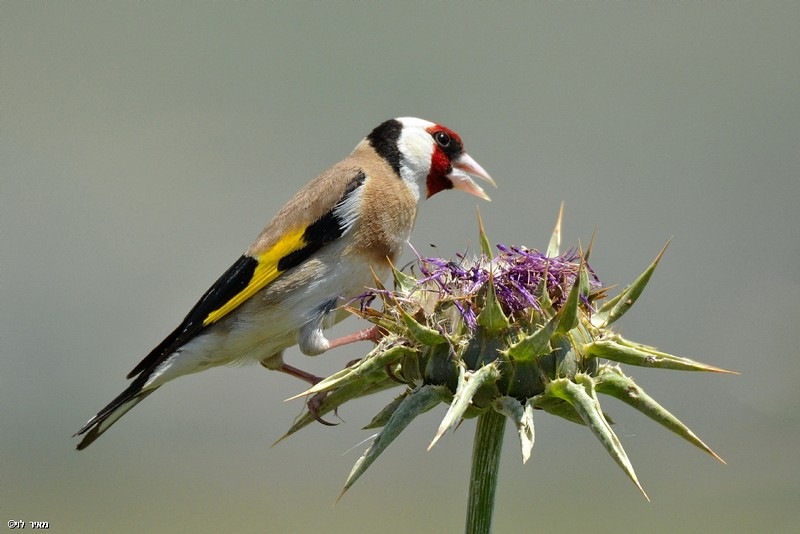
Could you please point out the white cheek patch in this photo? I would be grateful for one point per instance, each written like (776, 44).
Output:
(416, 150)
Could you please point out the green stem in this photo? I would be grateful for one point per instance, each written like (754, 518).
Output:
(486, 451)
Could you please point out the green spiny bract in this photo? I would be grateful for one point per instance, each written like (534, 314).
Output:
(515, 333)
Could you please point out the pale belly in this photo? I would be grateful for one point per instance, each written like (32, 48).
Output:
(272, 320)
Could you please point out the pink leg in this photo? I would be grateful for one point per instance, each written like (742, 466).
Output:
(373, 334)
(299, 373)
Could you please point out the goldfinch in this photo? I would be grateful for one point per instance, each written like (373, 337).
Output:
(320, 250)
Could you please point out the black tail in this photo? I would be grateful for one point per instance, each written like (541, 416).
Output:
(109, 415)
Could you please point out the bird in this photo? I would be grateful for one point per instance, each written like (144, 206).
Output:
(326, 245)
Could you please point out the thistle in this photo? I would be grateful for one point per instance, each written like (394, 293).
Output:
(498, 337)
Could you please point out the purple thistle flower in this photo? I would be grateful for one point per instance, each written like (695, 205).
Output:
(518, 274)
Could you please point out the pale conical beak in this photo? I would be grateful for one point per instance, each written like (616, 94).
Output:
(462, 168)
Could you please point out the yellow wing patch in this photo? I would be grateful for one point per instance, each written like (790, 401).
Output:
(265, 272)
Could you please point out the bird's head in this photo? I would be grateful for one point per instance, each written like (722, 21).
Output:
(428, 156)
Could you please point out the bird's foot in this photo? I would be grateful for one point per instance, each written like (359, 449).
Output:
(314, 404)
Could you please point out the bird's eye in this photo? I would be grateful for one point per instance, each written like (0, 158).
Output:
(442, 139)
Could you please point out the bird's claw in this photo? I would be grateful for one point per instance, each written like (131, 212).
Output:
(314, 404)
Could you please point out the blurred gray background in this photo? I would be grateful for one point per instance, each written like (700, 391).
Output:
(144, 146)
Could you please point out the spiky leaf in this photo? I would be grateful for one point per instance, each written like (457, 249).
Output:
(616, 307)
(568, 314)
(617, 349)
(423, 334)
(558, 407)
(582, 397)
(382, 417)
(403, 282)
(381, 356)
(554, 246)
(611, 381)
(522, 416)
(486, 248)
(535, 345)
(469, 382)
(419, 401)
(491, 318)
